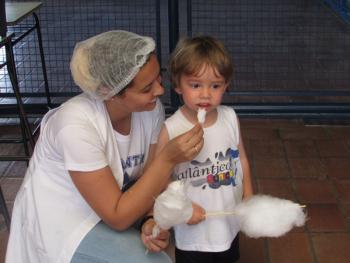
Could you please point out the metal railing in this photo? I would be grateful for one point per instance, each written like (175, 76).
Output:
(291, 57)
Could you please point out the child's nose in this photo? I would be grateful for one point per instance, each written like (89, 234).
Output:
(205, 92)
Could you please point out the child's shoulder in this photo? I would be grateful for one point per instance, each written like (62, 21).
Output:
(175, 116)
(226, 110)
(177, 124)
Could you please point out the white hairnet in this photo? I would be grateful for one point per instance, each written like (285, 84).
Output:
(105, 64)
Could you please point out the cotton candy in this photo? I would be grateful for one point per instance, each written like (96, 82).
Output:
(258, 216)
(172, 207)
(201, 115)
(267, 216)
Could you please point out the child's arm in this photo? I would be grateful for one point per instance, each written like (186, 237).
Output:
(247, 182)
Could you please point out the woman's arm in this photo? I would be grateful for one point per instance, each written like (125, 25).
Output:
(198, 214)
(247, 182)
(119, 210)
(163, 139)
(162, 240)
(151, 155)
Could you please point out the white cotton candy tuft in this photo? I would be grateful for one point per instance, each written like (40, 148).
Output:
(172, 207)
(267, 216)
(201, 115)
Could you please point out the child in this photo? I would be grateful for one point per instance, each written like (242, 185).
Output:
(219, 176)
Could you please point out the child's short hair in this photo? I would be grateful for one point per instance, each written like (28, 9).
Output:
(190, 54)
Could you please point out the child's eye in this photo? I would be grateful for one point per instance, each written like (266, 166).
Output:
(195, 85)
(216, 86)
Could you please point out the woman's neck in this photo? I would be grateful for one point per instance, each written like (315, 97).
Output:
(120, 118)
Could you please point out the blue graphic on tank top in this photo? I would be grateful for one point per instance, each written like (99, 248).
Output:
(221, 172)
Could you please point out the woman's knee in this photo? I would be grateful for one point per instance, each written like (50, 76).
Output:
(103, 244)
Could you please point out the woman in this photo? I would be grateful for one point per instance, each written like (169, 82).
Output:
(77, 202)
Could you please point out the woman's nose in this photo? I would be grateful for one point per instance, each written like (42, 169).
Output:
(158, 88)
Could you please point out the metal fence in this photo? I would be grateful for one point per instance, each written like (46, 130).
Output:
(63, 23)
(291, 57)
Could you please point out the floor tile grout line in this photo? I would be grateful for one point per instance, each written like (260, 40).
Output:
(340, 204)
(292, 183)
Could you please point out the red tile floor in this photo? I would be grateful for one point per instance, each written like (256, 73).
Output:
(307, 164)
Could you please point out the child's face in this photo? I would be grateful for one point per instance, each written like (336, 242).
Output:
(202, 90)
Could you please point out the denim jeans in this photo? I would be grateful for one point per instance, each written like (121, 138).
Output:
(103, 244)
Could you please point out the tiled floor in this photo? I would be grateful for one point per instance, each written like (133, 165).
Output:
(307, 164)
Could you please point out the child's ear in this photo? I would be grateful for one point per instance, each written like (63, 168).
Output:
(178, 91)
(227, 85)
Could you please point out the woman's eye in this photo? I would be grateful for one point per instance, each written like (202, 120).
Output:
(147, 89)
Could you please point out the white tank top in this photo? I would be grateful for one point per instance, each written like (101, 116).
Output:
(213, 180)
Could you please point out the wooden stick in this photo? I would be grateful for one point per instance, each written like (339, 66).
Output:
(220, 213)
(226, 213)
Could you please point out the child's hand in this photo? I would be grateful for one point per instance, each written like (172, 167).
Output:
(198, 215)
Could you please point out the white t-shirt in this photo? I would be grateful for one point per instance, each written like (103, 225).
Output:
(50, 217)
(213, 180)
(131, 158)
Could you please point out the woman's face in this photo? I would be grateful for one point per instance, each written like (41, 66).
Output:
(146, 87)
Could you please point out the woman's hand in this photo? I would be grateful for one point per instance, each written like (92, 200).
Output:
(198, 215)
(184, 147)
(158, 243)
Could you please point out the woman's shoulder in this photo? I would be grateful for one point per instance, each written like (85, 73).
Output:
(79, 110)
(83, 102)
(81, 106)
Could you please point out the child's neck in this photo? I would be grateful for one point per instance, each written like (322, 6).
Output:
(191, 116)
